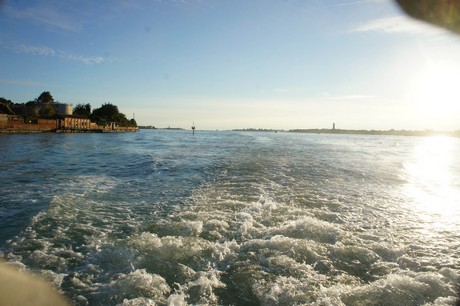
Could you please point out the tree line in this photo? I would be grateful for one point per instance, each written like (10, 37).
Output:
(44, 106)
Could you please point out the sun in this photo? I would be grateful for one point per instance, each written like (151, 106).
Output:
(437, 92)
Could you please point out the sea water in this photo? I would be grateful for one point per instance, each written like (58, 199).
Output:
(234, 218)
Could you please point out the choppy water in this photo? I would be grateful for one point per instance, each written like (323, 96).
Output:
(234, 218)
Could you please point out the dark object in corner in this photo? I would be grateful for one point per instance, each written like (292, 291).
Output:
(22, 288)
(444, 13)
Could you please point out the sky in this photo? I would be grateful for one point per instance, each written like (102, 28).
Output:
(231, 64)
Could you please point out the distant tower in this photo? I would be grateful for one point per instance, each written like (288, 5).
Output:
(333, 126)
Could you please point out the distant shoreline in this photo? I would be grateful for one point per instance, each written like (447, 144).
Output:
(359, 132)
(35, 130)
(151, 127)
(391, 132)
(378, 132)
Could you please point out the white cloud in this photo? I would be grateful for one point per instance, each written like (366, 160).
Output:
(396, 24)
(84, 59)
(48, 15)
(23, 48)
(34, 50)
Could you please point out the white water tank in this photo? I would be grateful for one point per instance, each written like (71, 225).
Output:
(64, 108)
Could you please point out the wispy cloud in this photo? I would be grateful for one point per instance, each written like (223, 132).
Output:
(84, 59)
(326, 5)
(22, 83)
(350, 97)
(282, 90)
(352, 2)
(65, 15)
(33, 50)
(47, 15)
(396, 24)
(22, 48)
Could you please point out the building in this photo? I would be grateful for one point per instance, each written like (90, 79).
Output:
(63, 108)
(70, 122)
(6, 120)
(13, 123)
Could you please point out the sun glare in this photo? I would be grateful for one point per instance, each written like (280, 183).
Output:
(431, 184)
(437, 94)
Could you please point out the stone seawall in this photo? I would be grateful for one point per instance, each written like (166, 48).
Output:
(99, 130)
(17, 127)
(34, 129)
(23, 131)
(14, 124)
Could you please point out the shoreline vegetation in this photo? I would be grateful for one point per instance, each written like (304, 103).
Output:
(45, 115)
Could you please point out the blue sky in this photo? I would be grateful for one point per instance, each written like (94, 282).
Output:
(235, 64)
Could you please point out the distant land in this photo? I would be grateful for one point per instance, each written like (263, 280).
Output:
(333, 131)
(151, 127)
(360, 132)
(379, 132)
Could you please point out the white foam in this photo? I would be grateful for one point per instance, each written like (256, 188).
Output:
(191, 228)
(452, 275)
(43, 260)
(137, 302)
(300, 249)
(394, 289)
(140, 284)
(216, 229)
(177, 299)
(308, 228)
(286, 290)
(206, 283)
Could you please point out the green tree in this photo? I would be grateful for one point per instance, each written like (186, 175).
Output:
(6, 107)
(31, 109)
(109, 113)
(132, 122)
(45, 100)
(120, 119)
(47, 110)
(106, 112)
(82, 110)
(19, 108)
(45, 97)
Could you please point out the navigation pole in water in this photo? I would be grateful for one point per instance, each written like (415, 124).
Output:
(193, 128)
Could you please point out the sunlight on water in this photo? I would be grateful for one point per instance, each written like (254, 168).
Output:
(431, 183)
